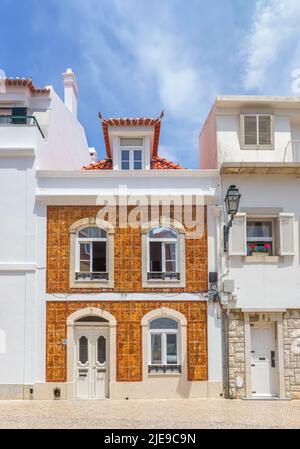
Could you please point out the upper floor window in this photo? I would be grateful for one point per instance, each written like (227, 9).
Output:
(91, 261)
(163, 346)
(266, 235)
(131, 149)
(260, 237)
(163, 254)
(256, 130)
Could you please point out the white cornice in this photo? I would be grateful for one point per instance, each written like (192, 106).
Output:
(17, 152)
(127, 173)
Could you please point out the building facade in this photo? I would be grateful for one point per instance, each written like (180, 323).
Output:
(108, 295)
(254, 142)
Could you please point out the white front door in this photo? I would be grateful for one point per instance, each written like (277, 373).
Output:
(263, 360)
(91, 367)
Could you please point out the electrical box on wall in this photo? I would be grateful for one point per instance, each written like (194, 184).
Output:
(228, 286)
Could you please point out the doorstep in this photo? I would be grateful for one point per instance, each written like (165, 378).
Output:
(266, 398)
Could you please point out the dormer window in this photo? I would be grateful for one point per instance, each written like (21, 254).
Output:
(131, 149)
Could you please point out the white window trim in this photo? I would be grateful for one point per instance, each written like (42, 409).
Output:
(256, 146)
(163, 333)
(74, 229)
(180, 255)
(165, 312)
(131, 153)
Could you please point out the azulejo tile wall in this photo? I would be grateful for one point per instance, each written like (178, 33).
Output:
(128, 315)
(127, 254)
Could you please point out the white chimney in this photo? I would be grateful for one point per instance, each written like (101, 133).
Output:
(93, 154)
(70, 91)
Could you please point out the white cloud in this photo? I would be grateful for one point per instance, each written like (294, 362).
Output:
(274, 29)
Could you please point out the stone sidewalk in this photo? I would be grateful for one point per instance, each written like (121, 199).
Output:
(163, 414)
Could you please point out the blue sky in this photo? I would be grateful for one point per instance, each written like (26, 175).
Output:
(136, 57)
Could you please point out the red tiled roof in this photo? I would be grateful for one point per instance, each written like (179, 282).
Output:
(160, 163)
(23, 82)
(105, 164)
(157, 163)
(143, 121)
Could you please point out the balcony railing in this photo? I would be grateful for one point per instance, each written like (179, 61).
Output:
(292, 151)
(86, 276)
(162, 276)
(164, 369)
(20, 120)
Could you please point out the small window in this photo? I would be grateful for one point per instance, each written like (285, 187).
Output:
(83, 350)
(163, 254)
(125, 159)
(101, 350)
(163, 346)
(91, 254)
(131, 153)
(260, 237)
(257, 130)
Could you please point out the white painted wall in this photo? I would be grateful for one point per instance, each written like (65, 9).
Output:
(228, 140)
(266, 285)
(23, 226)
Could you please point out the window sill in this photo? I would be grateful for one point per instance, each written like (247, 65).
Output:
(164, 374)
(262, 259)
(257, 147)
(103, 283)
(155, 283)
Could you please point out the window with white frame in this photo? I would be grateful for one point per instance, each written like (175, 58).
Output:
(163, 254)
(260, 237)
(163, 353)
(91, 254)
(257, 130)
(131, 153)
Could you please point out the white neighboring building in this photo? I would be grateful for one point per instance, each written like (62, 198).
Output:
(37, 130)
(255, 142)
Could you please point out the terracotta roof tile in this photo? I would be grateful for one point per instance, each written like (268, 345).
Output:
(138, 121)
(105, 164)
(160, 163)
(157, 163)
(23, 82)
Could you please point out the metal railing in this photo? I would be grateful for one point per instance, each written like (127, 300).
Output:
(86, 276)
(292, 151)
(20, 120)
(163, 275)
(164, 368)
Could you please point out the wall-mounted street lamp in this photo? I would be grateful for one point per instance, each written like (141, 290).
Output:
(232, 201)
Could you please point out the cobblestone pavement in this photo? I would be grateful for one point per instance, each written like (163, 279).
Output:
(168, 414)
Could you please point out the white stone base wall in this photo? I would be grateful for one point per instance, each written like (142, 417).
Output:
(291, 347)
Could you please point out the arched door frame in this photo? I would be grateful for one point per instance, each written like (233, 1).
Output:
(71, 324)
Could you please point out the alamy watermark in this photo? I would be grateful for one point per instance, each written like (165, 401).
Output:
(296, 83)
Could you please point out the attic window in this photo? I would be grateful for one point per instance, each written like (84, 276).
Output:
(131, 149)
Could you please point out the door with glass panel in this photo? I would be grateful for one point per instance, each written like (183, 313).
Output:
(91, 363)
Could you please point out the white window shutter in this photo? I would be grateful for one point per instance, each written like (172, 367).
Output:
(286, 234)
(238, 236)
(250, 130)
(265, 129)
